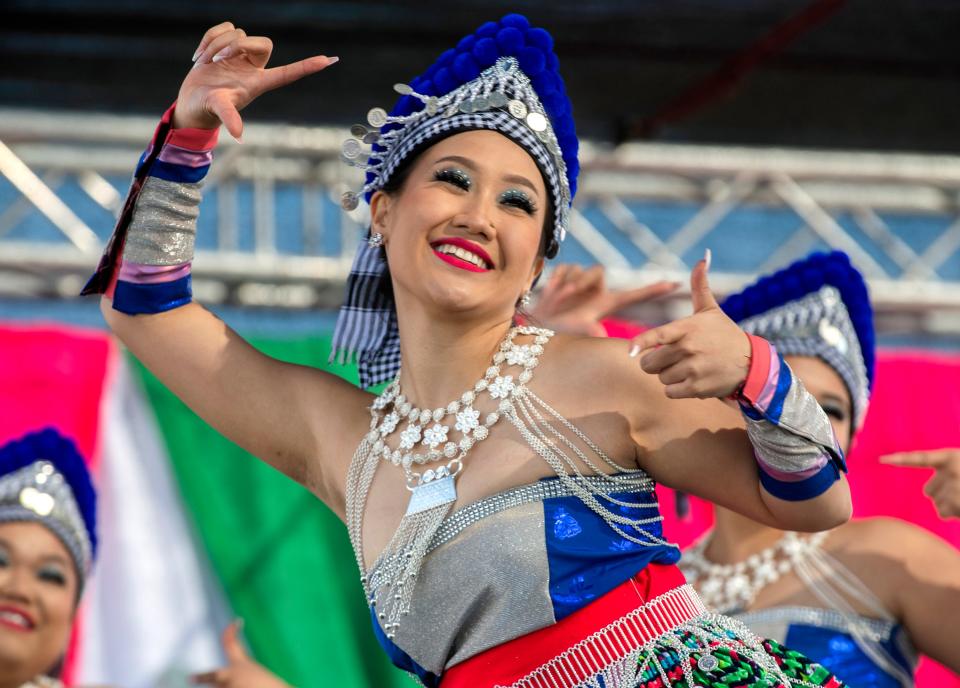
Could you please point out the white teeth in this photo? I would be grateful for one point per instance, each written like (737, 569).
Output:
(14, 617)
(462, 253)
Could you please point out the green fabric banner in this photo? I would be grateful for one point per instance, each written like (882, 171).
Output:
(283, 558)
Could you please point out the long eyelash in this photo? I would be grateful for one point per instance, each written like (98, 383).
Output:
(53, 576)
(456, 177)
(519, 200)
(834, 411)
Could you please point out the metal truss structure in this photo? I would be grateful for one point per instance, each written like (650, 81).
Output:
(272, 233)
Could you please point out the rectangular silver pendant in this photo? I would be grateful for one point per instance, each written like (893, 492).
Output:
(432, 494)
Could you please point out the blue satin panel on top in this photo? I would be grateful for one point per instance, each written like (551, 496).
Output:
(838, 651)
(587, 558)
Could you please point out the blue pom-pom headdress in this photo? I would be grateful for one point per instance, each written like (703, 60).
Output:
(43, 478)
(504, 78)
(817, 306)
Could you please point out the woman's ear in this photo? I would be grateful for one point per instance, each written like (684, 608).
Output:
(537, 269)
(379, 211)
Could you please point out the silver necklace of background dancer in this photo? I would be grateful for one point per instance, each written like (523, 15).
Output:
(732, 588)
(435, 486)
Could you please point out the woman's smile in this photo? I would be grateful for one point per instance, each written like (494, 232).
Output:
(462, 254)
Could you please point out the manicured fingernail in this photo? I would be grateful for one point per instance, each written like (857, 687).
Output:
(634, 350)
(333, 60)
(238, 139)
(222, 54)
(707, 258)
(240, 623)
(196, 55)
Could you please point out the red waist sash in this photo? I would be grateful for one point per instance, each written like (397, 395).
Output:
(508, 663)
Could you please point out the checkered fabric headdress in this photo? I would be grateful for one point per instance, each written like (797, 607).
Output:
(819, 307)
(502, 78)
(44, 479)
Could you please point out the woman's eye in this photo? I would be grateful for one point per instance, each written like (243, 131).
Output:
(458, 178)
(4, 559)
(52, 574)
(834, 412)
(520, 200)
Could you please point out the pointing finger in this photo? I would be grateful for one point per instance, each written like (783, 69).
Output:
(287, 74)
(622, 299)
(658, 336)
(916, 459)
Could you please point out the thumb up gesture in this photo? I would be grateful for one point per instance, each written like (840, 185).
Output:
(704, 355)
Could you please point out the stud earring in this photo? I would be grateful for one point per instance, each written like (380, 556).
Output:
(525, 299)
(375, 240)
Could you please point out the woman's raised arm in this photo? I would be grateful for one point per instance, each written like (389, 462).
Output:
(294, 418)
(786, 470)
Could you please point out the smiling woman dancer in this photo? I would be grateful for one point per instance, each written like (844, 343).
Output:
(499, 492)
(47, 545)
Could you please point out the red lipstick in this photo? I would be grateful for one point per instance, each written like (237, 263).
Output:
(459, 262)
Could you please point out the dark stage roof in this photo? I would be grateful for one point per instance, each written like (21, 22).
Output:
(865, 74)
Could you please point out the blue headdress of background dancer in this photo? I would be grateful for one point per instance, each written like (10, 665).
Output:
(503, 77)
(44, 479)
(818, 307)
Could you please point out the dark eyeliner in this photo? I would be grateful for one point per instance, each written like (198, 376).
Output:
(453, 176)
(520, 200)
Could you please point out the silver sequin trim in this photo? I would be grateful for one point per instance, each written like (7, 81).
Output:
(164, 223)
(877, 630)
(463, 518)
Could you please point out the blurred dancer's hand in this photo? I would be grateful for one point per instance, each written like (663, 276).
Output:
(704, 355)
(229, 72)
(575, 300)
(241, 671)
(944, 487)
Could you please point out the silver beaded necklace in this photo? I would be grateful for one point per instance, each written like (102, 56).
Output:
(436, 486)
(732, 588)
(390, 581)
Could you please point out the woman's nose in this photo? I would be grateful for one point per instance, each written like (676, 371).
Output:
(476, 218)
(14, 583)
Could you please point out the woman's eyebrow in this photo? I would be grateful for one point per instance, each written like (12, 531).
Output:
(522, 181)
(466, 162)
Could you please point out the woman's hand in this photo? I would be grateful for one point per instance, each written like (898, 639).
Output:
(944, 487)
(229, 72)
(705, 355)
(574, 300)
(241, 671)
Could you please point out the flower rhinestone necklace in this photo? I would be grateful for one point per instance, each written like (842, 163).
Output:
(732, 588)
(426, 435)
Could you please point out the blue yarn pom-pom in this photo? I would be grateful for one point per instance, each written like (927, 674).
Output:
(540, 39)
(487, 30)
(517, 21)
(485, 52)
(465, 67)
(509, 40)
(444, 81)
(466, 43)
(532, 61)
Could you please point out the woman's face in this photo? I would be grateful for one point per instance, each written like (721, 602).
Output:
(463, 233)
(822, 381)
(38, 590)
